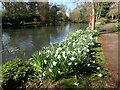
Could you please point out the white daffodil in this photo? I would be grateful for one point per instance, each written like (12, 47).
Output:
(98, 44)
(98, 68)
(73, 44)
(76, 84)
(74, 52)
(35, 65)
(64, 56)
(43, 74)
(65, 37)
(87, 50)
(93, 61)
(96, 38)
(81, 43)
(72, 58)
(54, 63)
(45, 61)
(100, 75)
(63, 52)
(59, 56)
(40, 70)
(69, 63)
(79, 51)
(39, 53)
(68, 52)
(88, 65)
(58, 71)
(91, 37)
(75, 63)
(92, 43)
(30, 59)
(60, 48)
(57, 51)
(48, 51)
(87, 46)
(84, 48)
(50, 70)
(89, 43)
(55, 55)
(31, 63)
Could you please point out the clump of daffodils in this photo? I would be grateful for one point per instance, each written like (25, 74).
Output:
(68, 55)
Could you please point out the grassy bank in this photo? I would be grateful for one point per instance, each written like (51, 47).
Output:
(117, 27)
(74, 62)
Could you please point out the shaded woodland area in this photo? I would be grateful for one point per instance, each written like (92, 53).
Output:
(42, 12)
(108, 10)
(46, 13)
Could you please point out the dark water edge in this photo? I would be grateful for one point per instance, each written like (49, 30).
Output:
(22, 42)
(31, 24)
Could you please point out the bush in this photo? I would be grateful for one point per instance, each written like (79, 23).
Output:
(16, 73)
(71, 56)
(117, 26)
(17, 18)
(98, 24)
(103, 20)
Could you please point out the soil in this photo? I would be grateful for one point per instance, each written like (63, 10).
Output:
(110, 41)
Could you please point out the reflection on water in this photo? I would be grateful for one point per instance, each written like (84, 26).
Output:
(23, 42)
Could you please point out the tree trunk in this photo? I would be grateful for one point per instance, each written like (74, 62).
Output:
(97, 11)
(93, 15)
(112, 16)
(100, 13)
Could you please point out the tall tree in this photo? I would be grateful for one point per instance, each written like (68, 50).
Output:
(93, 15)
(114, 10)
(81, 13)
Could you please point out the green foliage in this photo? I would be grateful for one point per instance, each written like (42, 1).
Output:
(16, 72)
(98, 24)
(105, 8)
(117, 27)
(62, 16)
(43, 13)
(103, 20)
(94, 80)
(88, 28)
(18, 18)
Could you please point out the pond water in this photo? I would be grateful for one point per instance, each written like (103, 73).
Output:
(23, 42)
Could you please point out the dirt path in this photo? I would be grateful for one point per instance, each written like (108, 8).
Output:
(110, 44)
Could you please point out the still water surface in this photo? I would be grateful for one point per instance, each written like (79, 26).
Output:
(23, 42)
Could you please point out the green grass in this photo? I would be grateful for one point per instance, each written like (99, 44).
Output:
(97, 25)
(117, 27)
(98, 82)
(26, 23)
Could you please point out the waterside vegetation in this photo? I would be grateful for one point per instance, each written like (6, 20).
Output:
(73, 59)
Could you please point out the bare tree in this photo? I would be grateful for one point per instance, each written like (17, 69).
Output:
(93, 15)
